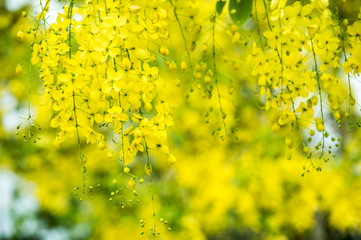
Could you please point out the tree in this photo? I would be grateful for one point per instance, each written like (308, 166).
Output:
(252, 98)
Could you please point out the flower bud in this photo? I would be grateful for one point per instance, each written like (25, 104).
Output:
(132, 183)
(19, 69)
(20, 36)
(312, 30)
(171, 159)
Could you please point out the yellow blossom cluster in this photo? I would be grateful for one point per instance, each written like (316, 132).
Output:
(297, 59)
(98, 72)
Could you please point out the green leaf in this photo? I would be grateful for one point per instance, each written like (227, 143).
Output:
(240, 10)
(219, 6)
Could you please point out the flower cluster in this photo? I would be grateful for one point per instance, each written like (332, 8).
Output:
(297, 65)
(98, 71)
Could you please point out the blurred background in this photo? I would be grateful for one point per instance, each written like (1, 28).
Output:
(243, 188)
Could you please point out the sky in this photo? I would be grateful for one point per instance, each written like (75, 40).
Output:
(54, 7)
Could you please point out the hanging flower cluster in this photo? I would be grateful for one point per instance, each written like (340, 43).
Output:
(297, 65)
(352, 63)
(98, 71)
